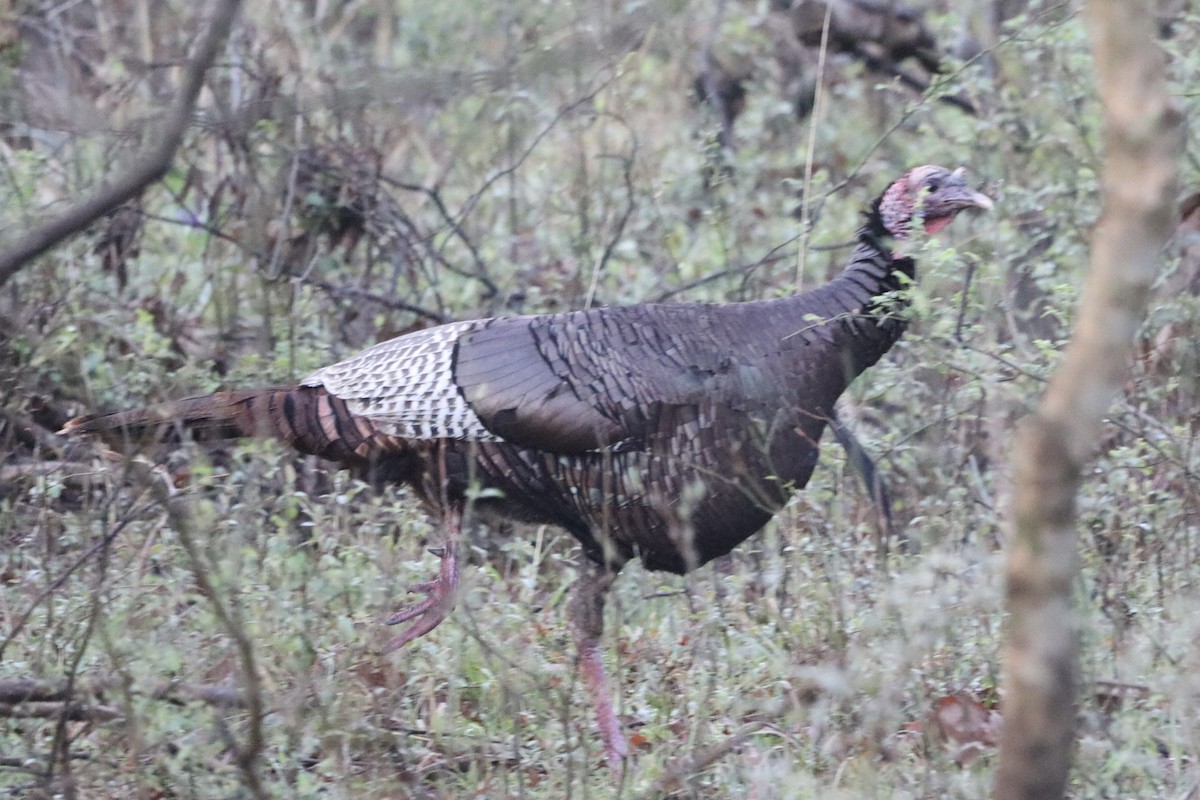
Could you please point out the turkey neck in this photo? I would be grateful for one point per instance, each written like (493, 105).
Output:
(859, 314)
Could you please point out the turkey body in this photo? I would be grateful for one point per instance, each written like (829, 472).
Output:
(669, 433)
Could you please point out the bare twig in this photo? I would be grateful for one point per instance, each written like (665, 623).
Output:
(455, 225)
(918, 83)
(598, 268)
(353, 293)
(180, 518)
(272, 270)
(25, 691)
(771, 257)
(55, 584)
(62, 710)
(60, 748)
(563, 112)
(1046, 13)
(674, 777)
(12, 476)
(147, 167)
(810, 152)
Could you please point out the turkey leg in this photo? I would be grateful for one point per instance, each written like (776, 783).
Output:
(586, 613)
(441, 591)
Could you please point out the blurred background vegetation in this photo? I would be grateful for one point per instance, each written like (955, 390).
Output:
(356, 170)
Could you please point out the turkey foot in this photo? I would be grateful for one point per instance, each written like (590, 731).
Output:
(429, 612)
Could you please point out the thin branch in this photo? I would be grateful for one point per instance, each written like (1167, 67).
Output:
(69, 473)
(272, 270)
(181, 520)
(145, 168)
(26, 691)
(673, 779)
(912, 109)
(615, 239)
(810, 152)
(64, 711)
(353, 293)
(455, 226)
(57, 583)
(563, 112)
(772, 256)
(921, 85)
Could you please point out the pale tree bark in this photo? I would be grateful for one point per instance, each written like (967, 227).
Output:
(1143, 141)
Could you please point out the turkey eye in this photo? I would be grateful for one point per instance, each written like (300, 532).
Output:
(933, 186)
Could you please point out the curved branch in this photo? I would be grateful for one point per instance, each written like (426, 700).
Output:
(180, 517)
(147, 166)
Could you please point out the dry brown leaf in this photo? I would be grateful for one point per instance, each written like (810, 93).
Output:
(963, 723)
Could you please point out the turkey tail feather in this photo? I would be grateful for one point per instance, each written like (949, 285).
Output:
(307, 418)
(224, 415)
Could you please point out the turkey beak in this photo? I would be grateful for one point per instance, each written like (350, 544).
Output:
(952, 199)
(947, 201)
(977, 200)
(966, 197)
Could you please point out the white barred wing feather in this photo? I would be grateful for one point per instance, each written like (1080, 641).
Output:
(406, 386)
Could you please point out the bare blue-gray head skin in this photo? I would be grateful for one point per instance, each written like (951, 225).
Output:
(929, 192)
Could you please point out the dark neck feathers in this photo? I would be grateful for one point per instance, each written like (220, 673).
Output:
(874, 244)
(865, 317)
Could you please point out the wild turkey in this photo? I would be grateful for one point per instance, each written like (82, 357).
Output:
(669, 433)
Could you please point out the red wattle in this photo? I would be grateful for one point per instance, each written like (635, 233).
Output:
(935, 224)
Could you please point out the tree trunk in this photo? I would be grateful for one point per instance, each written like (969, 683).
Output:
(1143, 141)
